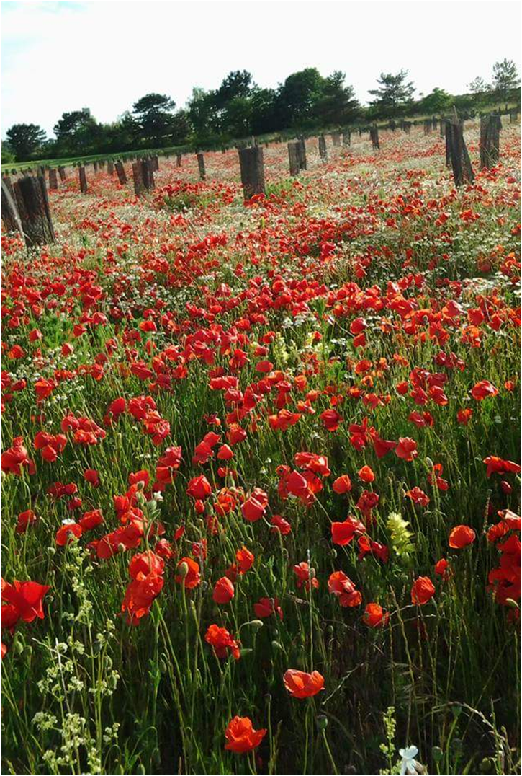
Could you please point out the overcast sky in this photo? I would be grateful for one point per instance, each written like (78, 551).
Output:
(62, 56)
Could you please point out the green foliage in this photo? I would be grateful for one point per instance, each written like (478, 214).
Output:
(438, 101)
(393, 95)
(25, 140)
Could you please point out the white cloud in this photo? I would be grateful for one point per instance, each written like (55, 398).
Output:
(61, 56)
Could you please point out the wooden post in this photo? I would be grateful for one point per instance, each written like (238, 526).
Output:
(374, 136)
(336, 138)
(302, 153)
(294, 157)
(155, 163)
(147, 166)
(120, 172)
(323, 153)
(427, 126)
(252, 167)
(110, 167)
(393, 125)
(201, 166)
(490, 127)
(137, 174)
(347, 138)
(95, 167)
(53, 179)
(62, 173)
(10, 215)
(458, 153)
(32, 210)
(178, 160)
(83, 179)
(442, 126)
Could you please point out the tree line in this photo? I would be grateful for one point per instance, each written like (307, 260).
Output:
(239, 108)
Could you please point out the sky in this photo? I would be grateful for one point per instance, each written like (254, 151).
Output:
(61, 56)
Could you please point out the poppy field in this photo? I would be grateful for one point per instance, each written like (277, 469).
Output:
(260, 469)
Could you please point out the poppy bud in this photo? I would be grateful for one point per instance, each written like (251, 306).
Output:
(255, 624)
(183, 569)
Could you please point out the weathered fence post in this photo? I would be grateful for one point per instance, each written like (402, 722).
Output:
(137, 174)
(374, 136)
(201, 166)
(120, 172)
(178, 160)
(427, 126)
(323, 153)
(252, 168)
(458, 153)
(347, 138)
(10, 215)
(62, 173)
(490, 127)
(83, 179)
(53, 179)
(95, 167)
(155, 163)
(29, 210)
(148, 166)
(110, 167)
(294, 157)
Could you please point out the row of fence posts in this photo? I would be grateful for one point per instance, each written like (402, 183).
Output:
(25, 203)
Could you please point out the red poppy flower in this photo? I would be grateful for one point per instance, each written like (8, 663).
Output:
(375, 617)
(67, 533)
(331, 420)
(26, 597)
(422, 591)
(342, 484)
(366, 474)
(25, 519)
(222, 641)
(406, 449)
(241, 736)
(302, 685)
(343, 587)
(461, 536)
(223, 591)
(265, 607)
(255, 505)
(483, 389)
(280, 525)
(199, 487)
(245, 560)
(343, 533)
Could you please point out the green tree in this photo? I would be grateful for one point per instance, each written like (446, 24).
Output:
(153, 114)
(203, 114)
(265, 114)
(505, 78)
(337, 103)
(25, 140)
(76, 132)
(298, 96)
(238, 83)
(479, 86)
(393, 95)
(437, 101)
(7, 153)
